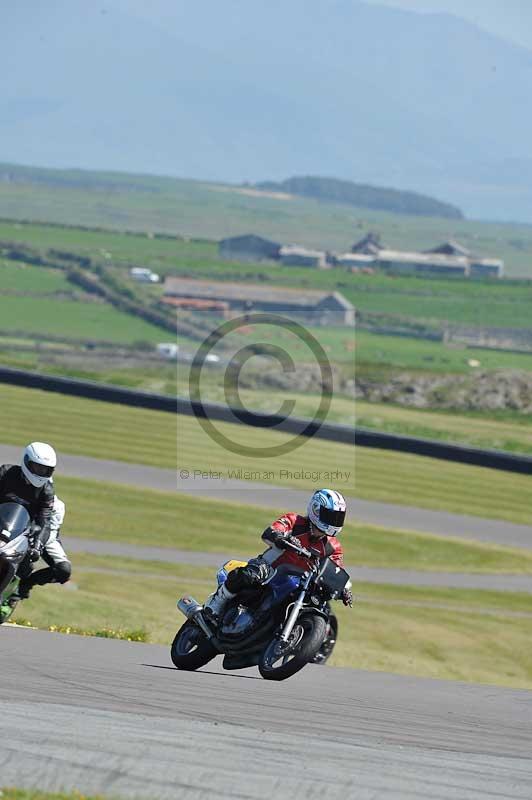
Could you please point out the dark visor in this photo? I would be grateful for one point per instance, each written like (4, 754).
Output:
(39, 469)
(335, 518)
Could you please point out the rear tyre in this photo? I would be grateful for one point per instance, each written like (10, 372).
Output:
(280, 661)
(191, 649)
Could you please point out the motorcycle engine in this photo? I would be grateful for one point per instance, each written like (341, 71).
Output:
(238, 621)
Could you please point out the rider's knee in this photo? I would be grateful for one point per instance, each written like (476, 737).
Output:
(62, 571)
(236, 580)
(253, 574)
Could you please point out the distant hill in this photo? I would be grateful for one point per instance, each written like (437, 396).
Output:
(363, 196)
(194, 209)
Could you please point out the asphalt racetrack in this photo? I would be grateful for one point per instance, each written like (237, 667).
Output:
(104, 716)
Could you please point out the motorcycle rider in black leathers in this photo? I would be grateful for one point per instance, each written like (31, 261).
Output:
(29, 484)
(59, 568)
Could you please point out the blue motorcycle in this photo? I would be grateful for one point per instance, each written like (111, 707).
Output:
(280, 627)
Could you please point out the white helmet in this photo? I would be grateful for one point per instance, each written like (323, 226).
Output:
(38, 463)
(326, 510)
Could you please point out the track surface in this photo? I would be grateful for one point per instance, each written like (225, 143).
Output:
(114, 717)
(399, 577)
(281, 498)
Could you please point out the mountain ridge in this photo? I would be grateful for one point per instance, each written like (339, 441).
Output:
(234, 92)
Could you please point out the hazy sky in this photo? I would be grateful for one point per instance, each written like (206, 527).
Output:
(511, 19)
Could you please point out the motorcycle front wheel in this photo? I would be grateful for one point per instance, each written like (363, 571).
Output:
(191, 649)
(327, 646)
(281, 660)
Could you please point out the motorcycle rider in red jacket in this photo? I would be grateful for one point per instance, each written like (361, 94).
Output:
(318, 530)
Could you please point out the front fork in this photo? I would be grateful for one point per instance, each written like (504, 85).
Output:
(284, 636)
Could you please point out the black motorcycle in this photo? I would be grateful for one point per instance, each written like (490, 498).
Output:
(15, 529)
(280, 627)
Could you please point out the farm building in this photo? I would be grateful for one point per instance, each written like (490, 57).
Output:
(217, 307)
(248, 248)
(357, 260)
(450, 248)
(399, 261)
(369, 245)
(316, 308)
(449, 259)
(486, 268)
(294, 256)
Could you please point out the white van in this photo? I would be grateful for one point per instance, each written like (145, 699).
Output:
(168, 350)
(144, 275)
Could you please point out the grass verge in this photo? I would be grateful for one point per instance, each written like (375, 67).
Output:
(456, 634)
(160, 519)
(93, 428)
(11, 793)
(511, 432)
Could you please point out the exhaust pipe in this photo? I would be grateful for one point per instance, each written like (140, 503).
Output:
(188, 606)
(192, 610)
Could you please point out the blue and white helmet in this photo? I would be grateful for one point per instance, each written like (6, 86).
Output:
(326, 510)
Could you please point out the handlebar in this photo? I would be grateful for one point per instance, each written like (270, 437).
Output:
(303, 551)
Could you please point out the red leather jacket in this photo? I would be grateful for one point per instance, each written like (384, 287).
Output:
(299, 526)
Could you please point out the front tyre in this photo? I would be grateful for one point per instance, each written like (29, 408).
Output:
(327, 646)
(191, 649)
(280, 661)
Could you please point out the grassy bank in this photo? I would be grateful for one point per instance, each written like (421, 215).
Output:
(500, 431)
(11, 793)
(159, 519)
(211, 211)
(459, 634)
(104, 430)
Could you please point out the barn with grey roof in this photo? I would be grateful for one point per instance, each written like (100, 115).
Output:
(317, 308)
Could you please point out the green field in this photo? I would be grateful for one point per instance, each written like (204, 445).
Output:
(487, 302)
(382, 354)
(212, 211)
(503, 431)
(103, 430)
(20, 277)
(11, 793)
(79, 320)
(227, 527)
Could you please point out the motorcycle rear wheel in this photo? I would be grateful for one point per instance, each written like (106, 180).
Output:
(191, 649)
(279, 661)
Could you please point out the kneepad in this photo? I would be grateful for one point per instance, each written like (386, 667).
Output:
(62, 571)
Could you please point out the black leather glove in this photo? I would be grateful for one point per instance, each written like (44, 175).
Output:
(347, 598)
(257, 570)
(283, 540)
(35, 552)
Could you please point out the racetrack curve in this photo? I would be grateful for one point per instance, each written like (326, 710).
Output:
(114, 717)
